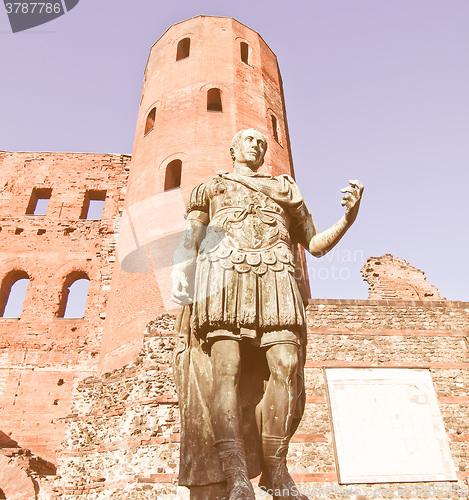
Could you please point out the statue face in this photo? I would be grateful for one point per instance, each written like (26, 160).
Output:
(250, 149)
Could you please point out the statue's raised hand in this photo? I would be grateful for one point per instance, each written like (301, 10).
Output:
(351, 199)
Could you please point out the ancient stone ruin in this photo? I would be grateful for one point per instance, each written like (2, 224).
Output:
(89, 409)
(389, 277)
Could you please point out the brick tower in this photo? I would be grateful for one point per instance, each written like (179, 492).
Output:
(206, 78)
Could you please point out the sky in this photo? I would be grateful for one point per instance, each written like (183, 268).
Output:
(376, 90)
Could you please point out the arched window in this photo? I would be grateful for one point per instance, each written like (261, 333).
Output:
(150, 123)
(74, 294)
(214, 100)
(275, 128)
(244, 52)
(172, 178)
(12, 294)
(184, 48)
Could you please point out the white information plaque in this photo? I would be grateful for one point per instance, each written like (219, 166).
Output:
(387, 426)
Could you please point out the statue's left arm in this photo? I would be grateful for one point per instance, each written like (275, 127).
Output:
(321, 243)
(185, 256)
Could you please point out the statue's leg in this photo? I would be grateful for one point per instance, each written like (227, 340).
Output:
(277, 414)
(225, 413)
(281, 389)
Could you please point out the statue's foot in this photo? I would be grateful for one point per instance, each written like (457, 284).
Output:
(276, 481)
(233, 459)
(240, 487)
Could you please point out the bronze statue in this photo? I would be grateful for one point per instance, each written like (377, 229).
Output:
(239, 367)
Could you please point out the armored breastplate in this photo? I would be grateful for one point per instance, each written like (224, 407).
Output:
(247, 229)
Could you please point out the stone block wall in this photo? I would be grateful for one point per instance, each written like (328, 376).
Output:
(388, 334)
(123, 434)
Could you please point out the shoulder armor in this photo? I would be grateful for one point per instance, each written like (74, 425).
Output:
(198, 199)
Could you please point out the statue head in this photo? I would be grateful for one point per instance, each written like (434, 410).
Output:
(249, 147)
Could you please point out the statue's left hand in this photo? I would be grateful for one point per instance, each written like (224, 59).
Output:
(351, 199)
(179, 288)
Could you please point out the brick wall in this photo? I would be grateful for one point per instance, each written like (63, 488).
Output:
(408, 334)
(43, 357)
(21, 471)
(389, 277)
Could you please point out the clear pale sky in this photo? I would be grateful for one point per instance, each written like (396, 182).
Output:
(376, 90)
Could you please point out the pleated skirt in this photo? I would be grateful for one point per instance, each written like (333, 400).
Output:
(232, 300)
